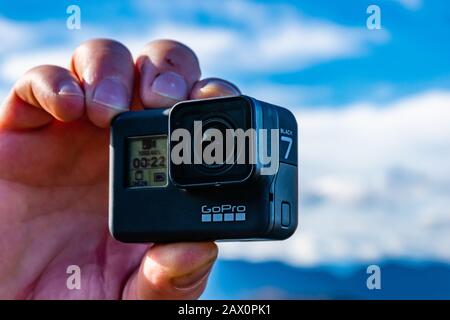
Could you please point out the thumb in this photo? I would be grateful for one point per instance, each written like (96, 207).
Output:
(172, 271)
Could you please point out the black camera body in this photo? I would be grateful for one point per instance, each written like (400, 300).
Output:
(154, 198)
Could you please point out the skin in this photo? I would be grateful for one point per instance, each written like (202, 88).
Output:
(54, 141)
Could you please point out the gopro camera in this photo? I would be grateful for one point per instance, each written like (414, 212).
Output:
(212, 169)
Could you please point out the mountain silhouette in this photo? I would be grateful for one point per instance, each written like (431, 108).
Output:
(233, 279)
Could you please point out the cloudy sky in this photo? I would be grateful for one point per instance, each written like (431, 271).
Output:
(373, 105)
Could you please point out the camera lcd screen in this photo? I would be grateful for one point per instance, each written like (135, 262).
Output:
(147, 161)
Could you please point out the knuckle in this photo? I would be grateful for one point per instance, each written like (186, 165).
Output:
(102, 44)
(172, 51)
(41, 74)
(213, 87)
(44, 68)
(220, 82)
(169, 43)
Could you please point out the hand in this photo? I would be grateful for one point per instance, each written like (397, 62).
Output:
(54, 176)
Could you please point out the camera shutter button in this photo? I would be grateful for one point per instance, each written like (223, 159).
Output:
(285, 214)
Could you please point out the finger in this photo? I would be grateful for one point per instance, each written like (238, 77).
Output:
(213, 87)
(106, 70)
(42, 94)
(168, 70)
(172, 271)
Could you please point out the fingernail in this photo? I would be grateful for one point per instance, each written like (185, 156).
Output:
(170, 85)
(193, 279)
(112, 93)
(70, 88)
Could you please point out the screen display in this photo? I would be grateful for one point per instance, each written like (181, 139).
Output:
(147, 158)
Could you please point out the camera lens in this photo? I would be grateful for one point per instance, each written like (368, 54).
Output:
(209, 126)
(206, 166)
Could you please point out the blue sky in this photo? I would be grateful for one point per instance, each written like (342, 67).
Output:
(373, 105)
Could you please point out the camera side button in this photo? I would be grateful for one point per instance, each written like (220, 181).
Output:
(285, 214)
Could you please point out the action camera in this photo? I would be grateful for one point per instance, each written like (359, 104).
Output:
(212, 169)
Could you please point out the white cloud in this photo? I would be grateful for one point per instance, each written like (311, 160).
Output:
(304, 42)
(17, 64)
(289, 42)
(263, 37)
(411, 4)
(374, 184)
(12, 35)
(26, 45)
(287, 46)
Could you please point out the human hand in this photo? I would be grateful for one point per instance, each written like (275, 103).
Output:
(54, 142)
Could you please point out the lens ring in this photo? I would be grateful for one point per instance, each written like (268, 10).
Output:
(222, 125)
